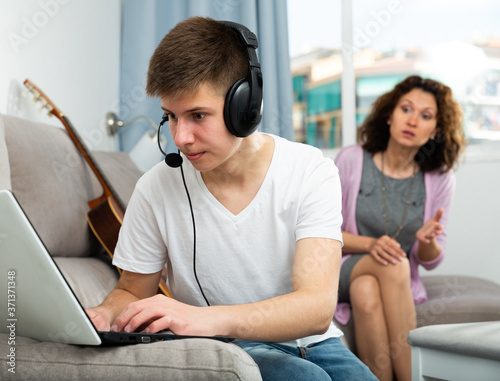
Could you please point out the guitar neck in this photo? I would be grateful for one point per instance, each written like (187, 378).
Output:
(108, 190)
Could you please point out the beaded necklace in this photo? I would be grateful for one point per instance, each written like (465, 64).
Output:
(407, 202)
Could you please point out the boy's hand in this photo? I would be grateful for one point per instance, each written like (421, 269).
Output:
(160, 312)
(98, 319)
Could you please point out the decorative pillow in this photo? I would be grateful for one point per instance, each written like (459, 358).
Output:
(54, 183)
(47, 177)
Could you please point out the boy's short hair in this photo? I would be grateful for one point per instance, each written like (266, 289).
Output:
(197, 50)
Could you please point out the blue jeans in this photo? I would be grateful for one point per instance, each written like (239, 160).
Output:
(326, 360)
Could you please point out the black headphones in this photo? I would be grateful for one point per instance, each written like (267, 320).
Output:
(243, 104)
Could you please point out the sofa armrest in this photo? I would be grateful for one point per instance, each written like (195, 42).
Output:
(187, 359)
(471, 339)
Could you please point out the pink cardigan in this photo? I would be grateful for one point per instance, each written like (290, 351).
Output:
(439, 190)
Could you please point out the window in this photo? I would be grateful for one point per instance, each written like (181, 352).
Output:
(456, 42)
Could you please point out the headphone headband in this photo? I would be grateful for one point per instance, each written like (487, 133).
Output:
(249, 39)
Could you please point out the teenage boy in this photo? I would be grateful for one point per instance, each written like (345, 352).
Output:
(248, 225)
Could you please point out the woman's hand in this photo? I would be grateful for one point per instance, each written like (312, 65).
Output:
(431, 228)
(386, 250)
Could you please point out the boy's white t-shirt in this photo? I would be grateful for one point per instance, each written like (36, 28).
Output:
(241, 258)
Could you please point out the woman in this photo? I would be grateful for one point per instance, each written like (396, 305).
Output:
(397, 188)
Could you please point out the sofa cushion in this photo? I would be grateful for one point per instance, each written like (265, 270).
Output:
(119, 170)
(189, 359)
(91, 279)
(458, 299)
(48, 178)
(53, 183)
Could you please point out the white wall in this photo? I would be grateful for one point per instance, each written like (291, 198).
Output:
(70, 49)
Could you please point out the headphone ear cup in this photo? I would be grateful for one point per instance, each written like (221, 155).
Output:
(240, 121)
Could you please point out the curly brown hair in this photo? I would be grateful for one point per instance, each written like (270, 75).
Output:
(440, 153)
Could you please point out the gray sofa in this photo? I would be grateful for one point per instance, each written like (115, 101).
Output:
(52, 182)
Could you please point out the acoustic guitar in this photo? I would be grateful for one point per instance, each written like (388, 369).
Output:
(106, 213)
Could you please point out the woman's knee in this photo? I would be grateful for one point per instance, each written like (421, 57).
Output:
(365, 294)
(398, 274)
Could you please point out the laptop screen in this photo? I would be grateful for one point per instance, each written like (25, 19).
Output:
(40, 303)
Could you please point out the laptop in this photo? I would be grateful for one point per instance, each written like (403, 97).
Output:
(36, 300)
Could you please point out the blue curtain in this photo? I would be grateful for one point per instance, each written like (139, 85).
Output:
(145, 23)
